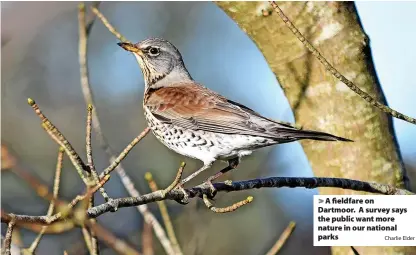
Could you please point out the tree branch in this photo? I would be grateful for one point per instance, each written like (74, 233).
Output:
(60, 139)
(56, 184)
(336, 73)
(228, 186)
(8, 238)
(164, 212)
(282, 239)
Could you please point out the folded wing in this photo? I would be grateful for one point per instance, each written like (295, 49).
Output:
(192, 106)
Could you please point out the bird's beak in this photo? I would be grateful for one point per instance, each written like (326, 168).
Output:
(130, 47)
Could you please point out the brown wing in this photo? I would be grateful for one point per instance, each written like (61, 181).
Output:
(195, 107)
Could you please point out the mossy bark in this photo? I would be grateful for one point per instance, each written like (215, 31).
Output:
(319, 100)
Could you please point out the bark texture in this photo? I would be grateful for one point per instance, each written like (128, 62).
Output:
(319, 100)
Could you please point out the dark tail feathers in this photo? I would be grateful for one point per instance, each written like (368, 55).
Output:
(298, 134)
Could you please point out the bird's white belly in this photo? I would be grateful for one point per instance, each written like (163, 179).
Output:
(205, 146)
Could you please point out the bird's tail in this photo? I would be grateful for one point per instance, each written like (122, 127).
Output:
(299, 134)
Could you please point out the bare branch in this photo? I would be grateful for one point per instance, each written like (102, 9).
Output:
(227, 209)
(144, 210)
(8, 238)
(45, 220)
(58, 170)
(336, 73)
(94, 240)
(87, 239)
(111, 240)
(59, 138)
(271, 182)
(147, 239)
(176, 181)
(90, 160)
(91, 17)
(82, 48)
(108, 25)
(164, 210)
(124, 153)
(282, 239)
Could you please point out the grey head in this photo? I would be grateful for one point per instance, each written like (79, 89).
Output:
(160, 61)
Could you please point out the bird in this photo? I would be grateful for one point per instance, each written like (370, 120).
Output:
(196, 122)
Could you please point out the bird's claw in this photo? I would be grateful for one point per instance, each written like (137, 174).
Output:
(185, 199)
(212, 189)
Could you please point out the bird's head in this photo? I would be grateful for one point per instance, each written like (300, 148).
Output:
(158, 59)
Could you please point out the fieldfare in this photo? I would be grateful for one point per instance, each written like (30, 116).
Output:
(197, 122)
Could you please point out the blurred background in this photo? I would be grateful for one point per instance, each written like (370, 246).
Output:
(40, 60)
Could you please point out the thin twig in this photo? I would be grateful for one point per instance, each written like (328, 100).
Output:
(83, 30)
(90, 160)
(103, 234)
(282, 239)
(91, 17)
(227, 209)
(164, 210)
(125, 179)
(54, 228)
(82, 47)
(94, 240)
(108, 25)
(124, 153)
(177, 179)
(144, 210)
(336, 73)
(147, 239)
(45, 220)
(271, 182)
(8, 238)
(14, 247)
(81, 220)
(58, 170)
(120, 246)
(89, 153)
(58, 227)
(61, 140)
(87, 239)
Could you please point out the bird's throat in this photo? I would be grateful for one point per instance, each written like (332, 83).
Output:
(175, 76)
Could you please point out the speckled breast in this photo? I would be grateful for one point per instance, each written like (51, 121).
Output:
(183, 141)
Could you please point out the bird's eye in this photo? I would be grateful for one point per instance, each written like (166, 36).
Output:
(154, 51)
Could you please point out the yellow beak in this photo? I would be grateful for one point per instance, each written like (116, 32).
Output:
(130, 47)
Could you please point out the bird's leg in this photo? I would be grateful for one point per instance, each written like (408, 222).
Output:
(193, 175)
(232, 164)
(185, 199)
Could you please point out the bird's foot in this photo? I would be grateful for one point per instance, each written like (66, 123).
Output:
(212, 189)
(185, 199)
(232, 164)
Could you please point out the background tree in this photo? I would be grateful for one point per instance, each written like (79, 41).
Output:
(321, 101)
